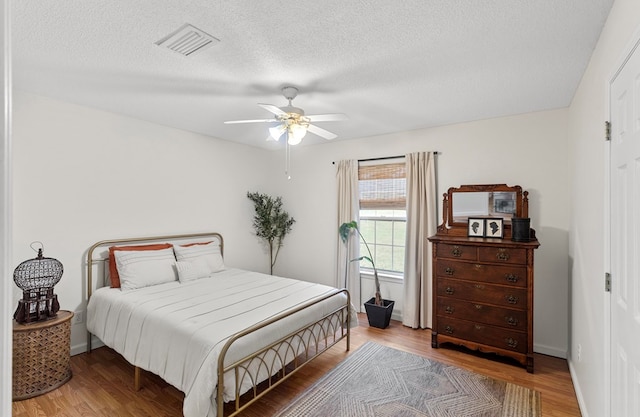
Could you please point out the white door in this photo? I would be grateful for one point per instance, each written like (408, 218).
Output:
(625, 239)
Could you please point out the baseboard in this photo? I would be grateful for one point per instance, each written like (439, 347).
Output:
(550, 350)
(82, 347)
(576, 387)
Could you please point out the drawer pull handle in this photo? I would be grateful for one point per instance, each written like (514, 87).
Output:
(511, 278)
(478, 306)
(478, 327)
(511, 342)
(478, 267)
(449, 310)
(502, 255)
(456, 251)
(511, 321)
(448, 329)
(479, 286)
(448, 270)
(511, 299)
(449, 291)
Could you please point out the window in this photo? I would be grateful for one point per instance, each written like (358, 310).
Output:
(383, 214)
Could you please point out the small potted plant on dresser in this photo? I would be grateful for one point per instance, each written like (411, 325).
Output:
(378, 309)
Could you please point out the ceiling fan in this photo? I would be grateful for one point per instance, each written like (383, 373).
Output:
(293, 121)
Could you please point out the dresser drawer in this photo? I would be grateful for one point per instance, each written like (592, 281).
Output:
(482, 333)
(502, 255)
(446, 250)
(511, 297)
(482, 313)
(498, 274)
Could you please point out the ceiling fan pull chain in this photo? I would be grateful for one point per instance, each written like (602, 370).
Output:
(287, 153)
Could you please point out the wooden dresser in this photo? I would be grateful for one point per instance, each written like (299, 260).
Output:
(483, 287)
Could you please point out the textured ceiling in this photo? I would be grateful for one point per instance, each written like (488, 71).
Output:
(389, 65)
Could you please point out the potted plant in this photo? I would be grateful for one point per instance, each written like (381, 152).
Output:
(271, 223)
(378, 310)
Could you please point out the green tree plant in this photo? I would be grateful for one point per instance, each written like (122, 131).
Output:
(345, 231)
(271, 223)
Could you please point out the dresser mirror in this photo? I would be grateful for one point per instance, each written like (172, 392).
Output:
(489, 200)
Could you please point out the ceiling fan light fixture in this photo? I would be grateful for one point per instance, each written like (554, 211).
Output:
(295, 133)
(293, 121)
(276, 132)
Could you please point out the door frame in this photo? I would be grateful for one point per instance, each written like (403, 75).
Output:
(629, 49)
(6, 300)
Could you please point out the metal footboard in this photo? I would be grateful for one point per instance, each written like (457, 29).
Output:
(284, 357)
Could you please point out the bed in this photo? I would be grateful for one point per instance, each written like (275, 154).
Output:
(217, 334)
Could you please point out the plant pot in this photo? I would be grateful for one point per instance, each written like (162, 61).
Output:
(379, 316)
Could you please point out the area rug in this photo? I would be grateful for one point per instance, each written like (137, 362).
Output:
(380, 381)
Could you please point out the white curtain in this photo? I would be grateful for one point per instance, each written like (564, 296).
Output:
(348, 209)
(421, 223)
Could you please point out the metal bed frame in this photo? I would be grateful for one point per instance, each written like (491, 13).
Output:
(314, 338)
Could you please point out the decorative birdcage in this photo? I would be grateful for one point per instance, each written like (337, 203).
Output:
(36, 278)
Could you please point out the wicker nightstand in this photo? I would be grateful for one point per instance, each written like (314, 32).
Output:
(41, 353)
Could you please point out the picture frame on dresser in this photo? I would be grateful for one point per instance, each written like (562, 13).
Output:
(504, 203)
(494, 228)
(475, 227)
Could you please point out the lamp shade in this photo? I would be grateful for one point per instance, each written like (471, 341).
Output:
(296, 133)
(276, 132)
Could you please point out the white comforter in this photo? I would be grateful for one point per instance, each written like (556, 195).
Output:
(176, 330)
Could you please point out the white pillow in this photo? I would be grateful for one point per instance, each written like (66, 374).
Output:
(209, 252)
(139, 269)
(191, 270)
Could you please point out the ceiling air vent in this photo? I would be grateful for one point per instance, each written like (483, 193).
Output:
(187, 40)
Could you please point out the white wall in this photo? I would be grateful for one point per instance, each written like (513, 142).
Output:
(82, 175)
(587, 237)
(528, 150)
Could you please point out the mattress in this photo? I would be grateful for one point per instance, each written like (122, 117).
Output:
(176, 330)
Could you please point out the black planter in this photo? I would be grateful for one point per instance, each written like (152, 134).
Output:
(379, 316)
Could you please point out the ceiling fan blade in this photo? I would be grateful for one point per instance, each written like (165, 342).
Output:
(321, 132)
(273, 109)
(329, 117)
(229, 122)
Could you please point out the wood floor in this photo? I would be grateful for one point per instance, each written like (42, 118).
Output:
(102, 383)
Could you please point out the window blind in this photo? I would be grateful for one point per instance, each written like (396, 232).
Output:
(383, 186)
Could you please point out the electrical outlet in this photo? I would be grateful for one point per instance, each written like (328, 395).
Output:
(78, 317)
(579, 352)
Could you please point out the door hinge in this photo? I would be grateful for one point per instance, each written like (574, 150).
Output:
(607, 282)
(607, 130)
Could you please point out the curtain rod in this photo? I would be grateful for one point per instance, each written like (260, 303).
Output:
(382, 158)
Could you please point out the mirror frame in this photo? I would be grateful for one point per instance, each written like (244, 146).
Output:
(451, 227)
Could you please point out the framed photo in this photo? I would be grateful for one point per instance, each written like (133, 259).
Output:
(504, 202)
(475, 227)
(494, 227)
